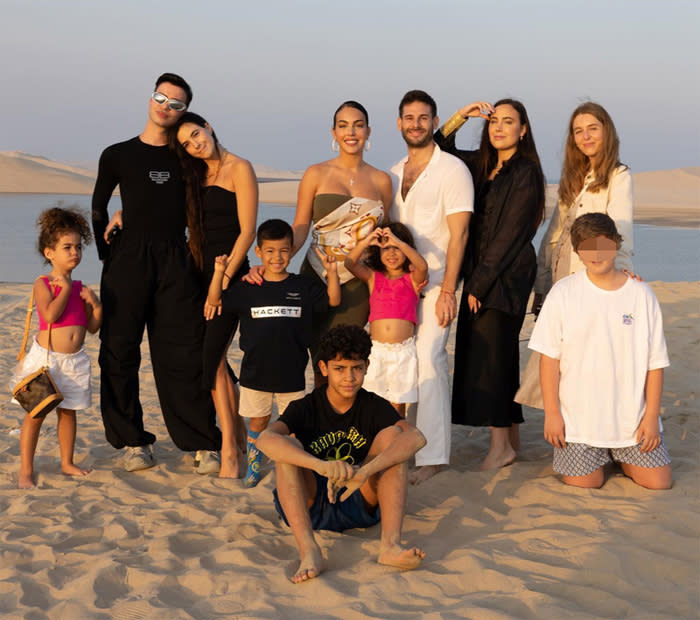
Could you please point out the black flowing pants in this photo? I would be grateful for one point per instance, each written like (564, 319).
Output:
(151, 283)
(487, 368)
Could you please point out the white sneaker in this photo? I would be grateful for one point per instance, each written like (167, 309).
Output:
(207, 462)
(137, 458)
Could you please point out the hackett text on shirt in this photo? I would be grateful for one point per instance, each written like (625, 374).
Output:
(265, 312)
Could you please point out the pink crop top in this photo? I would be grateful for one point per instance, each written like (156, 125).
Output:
(74, 314)
(393, 299)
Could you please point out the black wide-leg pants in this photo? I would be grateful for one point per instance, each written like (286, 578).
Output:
(152, 283)
(487, 368)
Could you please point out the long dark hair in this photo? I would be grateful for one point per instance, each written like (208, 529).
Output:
(194, 172)
(374, 255)
(488, 156)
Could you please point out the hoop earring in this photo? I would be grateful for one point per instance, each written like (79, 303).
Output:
(334, 146)
(368, 145)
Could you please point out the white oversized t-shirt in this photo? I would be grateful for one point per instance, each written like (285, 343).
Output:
(606, 342)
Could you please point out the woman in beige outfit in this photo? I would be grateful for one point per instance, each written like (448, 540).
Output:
(592, 181)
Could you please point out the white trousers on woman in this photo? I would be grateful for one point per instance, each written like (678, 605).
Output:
(433, 414)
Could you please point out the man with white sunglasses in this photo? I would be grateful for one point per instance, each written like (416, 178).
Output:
(149, 281)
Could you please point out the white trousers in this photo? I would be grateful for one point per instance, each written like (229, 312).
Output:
(433, 414)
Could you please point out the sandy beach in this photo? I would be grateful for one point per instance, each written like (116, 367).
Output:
(512, 543)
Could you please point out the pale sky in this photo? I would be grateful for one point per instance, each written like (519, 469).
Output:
(268, 74)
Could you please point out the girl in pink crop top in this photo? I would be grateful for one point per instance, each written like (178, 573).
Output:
(74, 313)
(69, 309)
(393, 271)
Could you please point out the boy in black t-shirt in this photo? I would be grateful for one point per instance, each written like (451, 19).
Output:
(275, 329)
(344, 437)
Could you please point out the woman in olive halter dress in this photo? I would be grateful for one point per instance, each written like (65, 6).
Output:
(341, 200)
(222, 207)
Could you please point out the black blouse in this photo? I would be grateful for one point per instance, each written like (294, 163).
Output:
(500, 263)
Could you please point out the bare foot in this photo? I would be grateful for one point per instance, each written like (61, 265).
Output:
(421, 474)
(401, 558)
(26, 481)
(310, 566)
(74, 470)
(230, 466)
(494, 460)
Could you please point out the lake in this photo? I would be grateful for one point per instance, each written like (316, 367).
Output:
(661, 253)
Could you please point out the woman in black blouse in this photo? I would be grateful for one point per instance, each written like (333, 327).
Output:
(499, 270)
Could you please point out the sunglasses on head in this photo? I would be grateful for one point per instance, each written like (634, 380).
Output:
(173, 104)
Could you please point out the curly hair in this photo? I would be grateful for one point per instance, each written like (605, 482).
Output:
(349, 341)
(374, 253)
(57, 221)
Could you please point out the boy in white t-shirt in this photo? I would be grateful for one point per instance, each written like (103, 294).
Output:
(603, 350)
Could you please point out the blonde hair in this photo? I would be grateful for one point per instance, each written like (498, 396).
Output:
(576, 164)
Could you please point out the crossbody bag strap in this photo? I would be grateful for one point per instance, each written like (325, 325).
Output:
(27, 323)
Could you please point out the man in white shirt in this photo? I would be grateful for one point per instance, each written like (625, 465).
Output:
(434, 198)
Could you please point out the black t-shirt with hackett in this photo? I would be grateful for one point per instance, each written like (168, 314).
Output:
(333, 436)
(151, 188)
(275, 327)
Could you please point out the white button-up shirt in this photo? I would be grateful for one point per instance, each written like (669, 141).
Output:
(443, 188)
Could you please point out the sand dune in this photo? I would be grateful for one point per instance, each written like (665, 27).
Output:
(664, 197)
(513, 543)
(24, 173)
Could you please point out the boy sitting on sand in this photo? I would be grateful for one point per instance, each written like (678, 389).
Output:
(344, 438)
(275, 319)
(603, 350)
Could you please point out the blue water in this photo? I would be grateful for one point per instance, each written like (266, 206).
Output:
(661, 253)
(20, 260)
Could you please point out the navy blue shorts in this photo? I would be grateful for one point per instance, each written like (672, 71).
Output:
(336, 517)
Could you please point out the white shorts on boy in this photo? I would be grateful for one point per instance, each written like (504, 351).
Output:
(70, 372)
(258, 404)
(393, 371)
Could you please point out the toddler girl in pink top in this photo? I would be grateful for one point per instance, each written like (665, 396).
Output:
(393, 271)
(66, 309)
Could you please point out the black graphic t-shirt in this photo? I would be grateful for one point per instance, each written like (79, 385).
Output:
(332, 436)
(275, 327)
(151, 189)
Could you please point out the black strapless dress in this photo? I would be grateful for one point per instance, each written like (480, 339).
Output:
(221, 229)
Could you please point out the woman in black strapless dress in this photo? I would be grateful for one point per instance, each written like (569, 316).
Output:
(222, 207)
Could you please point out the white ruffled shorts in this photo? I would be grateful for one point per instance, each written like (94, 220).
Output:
(70, 372)
(393, 371)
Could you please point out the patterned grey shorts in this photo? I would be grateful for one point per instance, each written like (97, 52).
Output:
(580, 459)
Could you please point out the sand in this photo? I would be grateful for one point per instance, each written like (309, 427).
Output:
(512, 543)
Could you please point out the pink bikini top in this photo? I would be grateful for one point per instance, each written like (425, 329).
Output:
(74, 314)
(393, 299)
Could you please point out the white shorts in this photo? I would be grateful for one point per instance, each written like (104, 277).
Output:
(257, 404)
(393, 371)
(70, 372)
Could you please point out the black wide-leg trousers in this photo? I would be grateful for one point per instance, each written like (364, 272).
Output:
(152, 284)
(487, 368)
